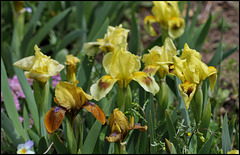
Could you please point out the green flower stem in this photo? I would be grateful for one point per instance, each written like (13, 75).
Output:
(18, 31)
(116, 148)
(163, 99)
(120, 147)
(124, 98)
(164, 34)
(43, 89)
(196, 104)
(123, 148)
(71, 140)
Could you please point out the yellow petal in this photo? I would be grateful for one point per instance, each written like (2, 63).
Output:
(179, 68)
(71, 60)
(169, 50)
(151, 70)
(69, 96)
(121, 65)
(148, 20)
(114, 36)
(212, 77)
(196, 70)
(96, 111)
(38, 76)
(102, 87)
(152, 57)
(164, 68)
(25, 63)
(176, 27)
(187, 91)
(146, 81)
(187, 52)
(40, 66)
(159, 10)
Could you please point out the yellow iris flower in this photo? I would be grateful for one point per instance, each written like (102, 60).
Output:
(167, 14)
(70, 99)
(120, 126)
(161, 56)
(123, 67)
(115, 36)
(71, 63)
(192, 71)
(40, 66)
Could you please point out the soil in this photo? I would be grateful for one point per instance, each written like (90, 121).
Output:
(229, 77)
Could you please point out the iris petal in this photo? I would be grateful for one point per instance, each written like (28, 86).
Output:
(102, 87)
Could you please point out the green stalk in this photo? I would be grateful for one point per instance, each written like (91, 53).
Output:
(120, 147)
(123, 148)
(163, 99)
(124, 98)
(18, 31)
(44, 88)
(116, 148)
(164, 34)
(196, 104)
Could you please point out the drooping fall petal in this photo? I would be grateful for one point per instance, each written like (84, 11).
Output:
(114, 137)
(53, 118)
(148, 20)
(151, 70)
(176, 27)
(96, 111)
(187, 91)
(146, 81)
(212, 77)
(102, 87)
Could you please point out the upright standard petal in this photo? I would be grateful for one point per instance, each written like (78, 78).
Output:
(69, 96)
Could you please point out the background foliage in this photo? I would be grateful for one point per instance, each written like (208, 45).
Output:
(60, 28)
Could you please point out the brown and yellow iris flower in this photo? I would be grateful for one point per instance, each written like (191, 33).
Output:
(70, 100)
(120, 126)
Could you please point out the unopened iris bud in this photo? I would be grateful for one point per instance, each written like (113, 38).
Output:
(71, 63)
